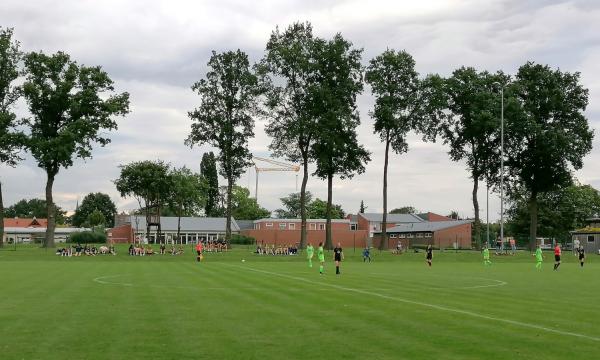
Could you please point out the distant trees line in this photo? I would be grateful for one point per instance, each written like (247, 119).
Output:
(306, 87)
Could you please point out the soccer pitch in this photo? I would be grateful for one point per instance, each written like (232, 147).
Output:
(275, 307)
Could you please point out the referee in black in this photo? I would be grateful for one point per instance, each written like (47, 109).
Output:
(338, 256)
(581, 253)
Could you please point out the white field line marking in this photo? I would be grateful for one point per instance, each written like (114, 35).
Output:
(102, 280)
(497, 283)
(432, 306)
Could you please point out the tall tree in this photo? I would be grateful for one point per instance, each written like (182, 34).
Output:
(286, 72)
(559, 211)
(399, 108)
(547, 134)
(472, 126)
(404, 210)
(292, 205)
(208, 170)
(186, 194)
(318, 209)
(149, 182)
(34, 208)
(245, 207)
(10, 139)
(224, 118)
(362, 208)
(72, 107)
(95, 201)
(337, 81)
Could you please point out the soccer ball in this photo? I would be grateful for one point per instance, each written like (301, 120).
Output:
(243, 260)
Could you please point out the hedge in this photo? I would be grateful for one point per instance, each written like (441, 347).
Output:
(88, 237)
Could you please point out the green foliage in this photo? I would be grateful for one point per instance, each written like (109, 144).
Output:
(404, 210)
(547, 133)
(317, 209)
(287, 74)
(11, 139)
(95, 218)
(208, 171)
(72, 108)
(244, 207)
(559, 211)
(33, 208)
(92, 202)
(147, 181)
(362, 208)
(187, 192)
(242, 239)
(88, 237)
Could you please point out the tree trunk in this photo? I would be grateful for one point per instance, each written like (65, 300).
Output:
(328, 239)
(303, 202)
(179, 225)
(49, 241)
(533, 213)
(228, 211)
(383, 243)
(1, 218)
(477, 223)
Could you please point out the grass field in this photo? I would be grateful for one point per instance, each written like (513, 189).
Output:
(121, 307)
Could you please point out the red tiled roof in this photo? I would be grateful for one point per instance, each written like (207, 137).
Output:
(25, 223)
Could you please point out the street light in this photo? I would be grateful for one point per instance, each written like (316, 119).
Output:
(501, 164)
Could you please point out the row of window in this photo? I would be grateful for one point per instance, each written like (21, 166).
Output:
(291, 226)
(410, 235)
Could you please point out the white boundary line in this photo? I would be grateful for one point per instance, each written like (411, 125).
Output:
(498, 283)
(102, 280)
(432, 306)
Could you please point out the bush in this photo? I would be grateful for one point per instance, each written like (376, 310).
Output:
(242, 239)
(88, 237)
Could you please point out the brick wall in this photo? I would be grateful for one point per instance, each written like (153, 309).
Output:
(121, 234)
(445, 238)
(347, 238)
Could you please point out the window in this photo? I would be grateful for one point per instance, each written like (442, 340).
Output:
(321, 226)
(292, 226)
(392, 236)
(428, 235)
(269, 224)
(410, 235)
(282, 226)
(591, 238)
(313, 226)
(401, 236)
(256, 226)
(353, 226)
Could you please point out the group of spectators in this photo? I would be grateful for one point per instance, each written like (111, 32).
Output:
(79, 250)
(276, 250)
(215, 245)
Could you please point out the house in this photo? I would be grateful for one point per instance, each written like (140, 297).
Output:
(288, 232)
(193, 229)
(372, 221)
(589, 236)
(439, 234)
(28, 230)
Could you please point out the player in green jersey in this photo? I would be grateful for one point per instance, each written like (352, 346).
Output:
(321, 256)
(486, 256)
(310, 252)
(538, 257)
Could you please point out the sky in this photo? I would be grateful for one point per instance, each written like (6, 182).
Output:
(156, 50)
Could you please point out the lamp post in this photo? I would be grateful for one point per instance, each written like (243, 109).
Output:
(501, 164)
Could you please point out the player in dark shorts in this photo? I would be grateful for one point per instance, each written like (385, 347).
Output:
(338, 256)
(581, 253)
(429, 256)
(557, 253)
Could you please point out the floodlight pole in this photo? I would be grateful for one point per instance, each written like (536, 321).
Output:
(487, 216)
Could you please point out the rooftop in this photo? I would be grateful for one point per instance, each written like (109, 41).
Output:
(169, 223)
(345, 221)
(427, 226)
(393, 218)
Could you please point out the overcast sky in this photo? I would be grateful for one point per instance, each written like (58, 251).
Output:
(155, 50)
